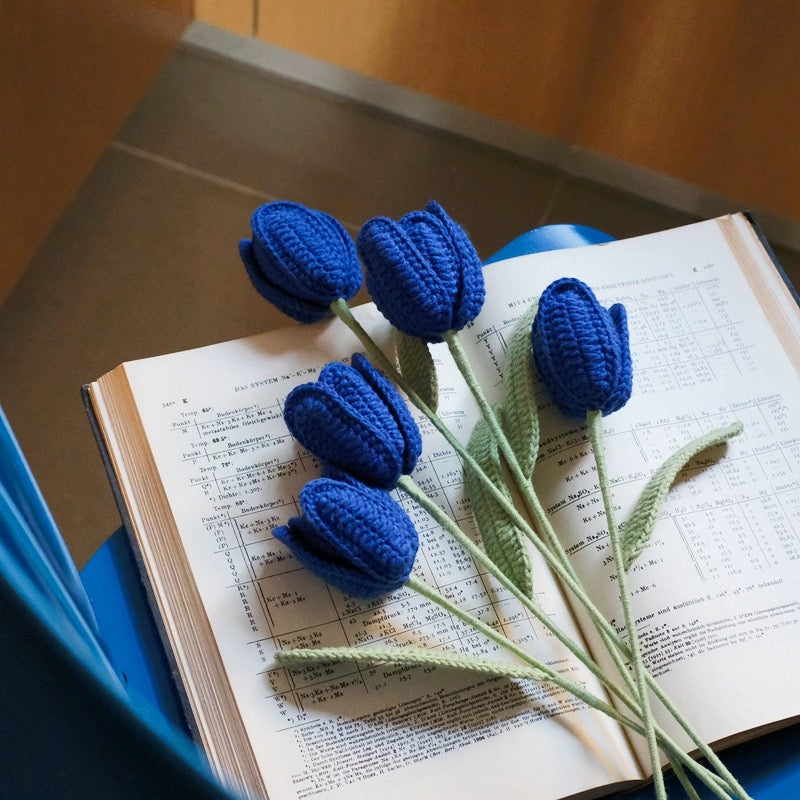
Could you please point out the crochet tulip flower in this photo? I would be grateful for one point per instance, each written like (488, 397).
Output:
(352, 536)
(301, 260)
(422, 272)
(581, 350)
(583, 355)
(354, 420)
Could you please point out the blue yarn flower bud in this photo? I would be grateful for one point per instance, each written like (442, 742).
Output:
(353, 419)
(354, 537)
(581, 350)
(301, 260)
(422, 272)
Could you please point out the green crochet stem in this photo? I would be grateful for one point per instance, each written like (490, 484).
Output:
(535, 671)
(407, 485)
(546, 673)
(522, 481)
(541, 520)
(530, 498)
(443, 519)
(681, 775)
(595, 423)
(341, 309)
(537, 513)
(515, 451)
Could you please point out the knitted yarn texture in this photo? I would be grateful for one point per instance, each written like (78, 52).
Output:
(423, 272)
(353, 419)
(581, 350)
(301, 260)
(352, 536)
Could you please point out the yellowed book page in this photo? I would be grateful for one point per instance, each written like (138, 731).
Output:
(714, 337)
(231, 473)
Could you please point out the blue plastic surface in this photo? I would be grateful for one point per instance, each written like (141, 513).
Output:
(129, 633)
(67, 727)
(550, 237)
(32, 542)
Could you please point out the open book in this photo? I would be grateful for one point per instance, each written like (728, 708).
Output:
(206, 469)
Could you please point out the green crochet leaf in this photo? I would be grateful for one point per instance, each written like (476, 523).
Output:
(519, 403)
(503, 542)
(417, 367)
(405, 655)
(643, 517)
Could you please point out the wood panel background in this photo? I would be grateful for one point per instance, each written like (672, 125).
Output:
(706, 91)
(69, 74)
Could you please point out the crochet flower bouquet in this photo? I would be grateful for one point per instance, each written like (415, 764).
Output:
(425, 277)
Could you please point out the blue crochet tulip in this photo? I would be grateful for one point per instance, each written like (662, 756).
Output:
(581, 350)
(422, 272)
(352, 536)
(301, 260)
(353, 420)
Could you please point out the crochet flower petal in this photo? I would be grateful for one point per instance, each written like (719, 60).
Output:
(289, 304)
(298, 533)
(471, 291)
(422, 272)
(435, 245)
(300, 257)
(581, 350)
(356, 538)
(359, 397)
(354, 420)
(395, 405)
(331, 430)
(623, 384)
(402, 284)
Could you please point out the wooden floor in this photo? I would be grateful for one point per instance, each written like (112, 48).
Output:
(145, 259)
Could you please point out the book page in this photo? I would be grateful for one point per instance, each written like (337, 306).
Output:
(717, 590)
(231, 473)
(714, 590)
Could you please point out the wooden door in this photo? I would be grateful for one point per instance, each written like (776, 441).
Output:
(70, 71)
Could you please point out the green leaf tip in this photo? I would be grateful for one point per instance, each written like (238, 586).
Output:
(418, 656)
(417, 368)
(504, 543)
(519, 407)
(643, 517)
